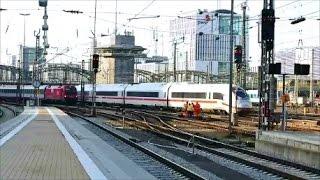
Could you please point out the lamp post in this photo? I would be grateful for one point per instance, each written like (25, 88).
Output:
(24, 44)
(24, 27)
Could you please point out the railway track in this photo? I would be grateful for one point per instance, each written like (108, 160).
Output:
(250, 158)
(10, 108)
(180, 171)
(160, 127)
(246, 125)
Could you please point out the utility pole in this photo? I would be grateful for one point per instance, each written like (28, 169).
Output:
(35, 78)
(283, 127)
(231, 68)
(311, 79)
(174, 61)
(94, 112)
(244, 38)
(19, 82)
(82, 83)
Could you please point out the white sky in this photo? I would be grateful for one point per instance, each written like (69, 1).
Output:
(63, 26)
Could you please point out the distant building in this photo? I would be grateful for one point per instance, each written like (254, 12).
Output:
(28, 56)
(203, 39)
(302, 55)
(117, 60)
(14, 60)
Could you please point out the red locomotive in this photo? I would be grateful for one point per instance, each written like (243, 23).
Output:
(62, 93)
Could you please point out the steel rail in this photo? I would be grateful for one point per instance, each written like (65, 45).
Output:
(130, 142)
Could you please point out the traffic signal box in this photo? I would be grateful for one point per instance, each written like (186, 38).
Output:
(267, 34)
(95, 62)
(275, 68)
(301, 69)
(238, 54)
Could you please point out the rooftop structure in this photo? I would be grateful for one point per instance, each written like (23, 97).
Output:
(117, 60)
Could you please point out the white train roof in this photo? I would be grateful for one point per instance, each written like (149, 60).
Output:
(110, 87)
(189, 87)
(103, 87)
(142, 87)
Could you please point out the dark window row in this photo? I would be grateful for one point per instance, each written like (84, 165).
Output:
(107, 93)
(25, 91)
(188, 95)
(217, 96)
(143, 94)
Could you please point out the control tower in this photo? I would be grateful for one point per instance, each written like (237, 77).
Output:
(117, 60)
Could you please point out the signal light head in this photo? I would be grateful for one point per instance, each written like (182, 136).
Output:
(95, 62)
(238, 54)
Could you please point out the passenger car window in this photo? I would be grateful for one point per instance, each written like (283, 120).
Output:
(217, 96)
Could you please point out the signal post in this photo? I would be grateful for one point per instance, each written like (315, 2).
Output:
(95, 66)
(266, 89)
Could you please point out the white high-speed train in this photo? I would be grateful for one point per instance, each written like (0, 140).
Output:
(211, 97)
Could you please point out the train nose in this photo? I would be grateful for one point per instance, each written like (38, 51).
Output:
(244, 104)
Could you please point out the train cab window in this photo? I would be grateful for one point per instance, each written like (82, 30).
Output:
(242, 94)
(217, 96)
(143, 94)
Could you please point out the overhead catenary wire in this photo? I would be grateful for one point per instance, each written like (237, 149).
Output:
(146, 7)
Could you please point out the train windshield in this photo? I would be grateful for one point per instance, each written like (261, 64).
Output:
(241, 93)
(71, 90)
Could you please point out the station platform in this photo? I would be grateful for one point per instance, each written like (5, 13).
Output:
(40, 144)
(303, 148)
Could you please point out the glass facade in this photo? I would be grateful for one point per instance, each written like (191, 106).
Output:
(207, 42)
(224, 25)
